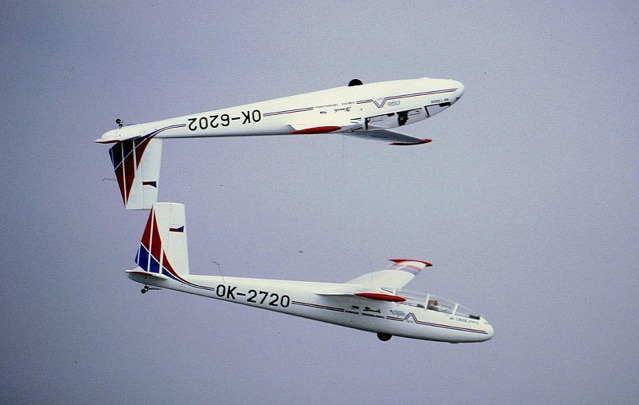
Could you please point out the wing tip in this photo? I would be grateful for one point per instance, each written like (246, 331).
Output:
(427, 264)
(420, 142)
(316, 130)
(381, 296)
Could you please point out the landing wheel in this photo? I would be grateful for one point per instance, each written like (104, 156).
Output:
(384, 337)
(145, 289)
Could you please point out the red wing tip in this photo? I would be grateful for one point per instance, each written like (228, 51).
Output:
(381, 297)
(421, 142)
(317, 130)
(427, 264)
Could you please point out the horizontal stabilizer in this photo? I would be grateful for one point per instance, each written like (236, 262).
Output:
(394, 138)
(141, 273)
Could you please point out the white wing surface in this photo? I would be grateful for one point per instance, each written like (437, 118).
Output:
(395, 138)
(397, 275)
(381, 285)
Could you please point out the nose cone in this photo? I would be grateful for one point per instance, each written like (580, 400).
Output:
(489, 331)
(460, 89)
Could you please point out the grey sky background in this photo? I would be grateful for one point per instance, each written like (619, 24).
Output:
(526, 201)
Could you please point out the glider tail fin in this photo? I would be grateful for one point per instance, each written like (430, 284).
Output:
(163, 249)
(137, 168)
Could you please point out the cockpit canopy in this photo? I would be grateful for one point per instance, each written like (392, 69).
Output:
(434, 303)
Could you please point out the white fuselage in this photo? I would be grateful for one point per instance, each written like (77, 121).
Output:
(304, 299)
(366, 107)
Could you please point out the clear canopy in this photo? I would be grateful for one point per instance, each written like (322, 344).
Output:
(434, 303)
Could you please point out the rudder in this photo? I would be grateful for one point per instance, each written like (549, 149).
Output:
(137, 168)
(163, 249)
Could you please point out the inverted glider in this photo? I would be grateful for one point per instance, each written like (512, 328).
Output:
(362, 110)
(374, 302)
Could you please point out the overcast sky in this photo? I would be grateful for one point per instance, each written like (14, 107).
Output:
(527, 201)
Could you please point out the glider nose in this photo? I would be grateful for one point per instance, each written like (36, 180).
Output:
(459, 92)
(489, 331)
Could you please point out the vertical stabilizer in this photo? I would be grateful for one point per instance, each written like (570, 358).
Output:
(163, 248)
(137, 168)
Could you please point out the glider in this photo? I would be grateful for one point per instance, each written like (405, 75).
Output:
(374, 302)
(367, 111)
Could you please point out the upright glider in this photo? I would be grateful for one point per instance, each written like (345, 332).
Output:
(363, 110)
(374, 302)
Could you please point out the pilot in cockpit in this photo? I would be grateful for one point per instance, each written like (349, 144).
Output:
(434, 305)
